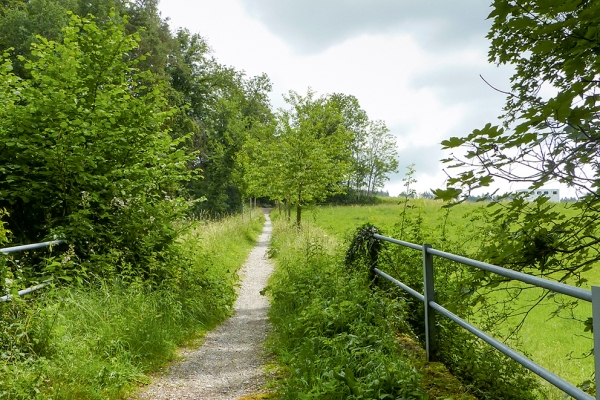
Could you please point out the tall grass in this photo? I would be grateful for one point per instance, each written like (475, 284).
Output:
(558, 344)
(101, 342)
(334, 335)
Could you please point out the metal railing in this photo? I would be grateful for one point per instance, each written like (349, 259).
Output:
(431, 307)
(15, 249)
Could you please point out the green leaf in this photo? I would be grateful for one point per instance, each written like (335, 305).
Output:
(452, 142)
(447, 194)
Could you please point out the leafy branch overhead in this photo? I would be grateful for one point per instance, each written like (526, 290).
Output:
(549, 135)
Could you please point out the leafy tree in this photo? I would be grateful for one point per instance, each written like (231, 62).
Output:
(379, 157)
(220, 106)
(307, 156)
(213, 102)
(550, 133)
(84, 151)
(22, 21)
(372, 149)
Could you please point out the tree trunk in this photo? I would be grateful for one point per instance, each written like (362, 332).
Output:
(298, 214)
(287, 209)
(299, 208)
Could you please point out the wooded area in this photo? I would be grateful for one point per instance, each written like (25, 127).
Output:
(114, 125)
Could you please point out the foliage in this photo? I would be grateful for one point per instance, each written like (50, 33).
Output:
(214, 106)
(21, 24)
(84, 152)
(373, 151)
(102, 341)
(332, 333)
(363, 244)
(222, 108)
(375, 156)
(551, 44)
(549, 134)
(306, 157)
(557, 344)
(488, 373)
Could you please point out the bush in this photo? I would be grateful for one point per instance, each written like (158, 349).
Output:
(86, 155)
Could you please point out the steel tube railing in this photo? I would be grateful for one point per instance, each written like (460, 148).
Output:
(9, 297)
(562, 288)
(400, 284)
(400, 242)
(532, 280)
(518, 357)
(33, 246)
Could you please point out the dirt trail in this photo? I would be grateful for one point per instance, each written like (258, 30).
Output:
(229, 364)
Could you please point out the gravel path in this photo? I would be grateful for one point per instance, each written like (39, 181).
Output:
(229, 364)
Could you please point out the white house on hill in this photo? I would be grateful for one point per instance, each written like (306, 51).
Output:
(552, 194)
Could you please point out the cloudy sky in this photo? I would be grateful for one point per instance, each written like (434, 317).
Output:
(414, 64)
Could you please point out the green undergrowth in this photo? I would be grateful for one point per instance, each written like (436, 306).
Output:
(557, 343)
(334, 336)
(102, 341)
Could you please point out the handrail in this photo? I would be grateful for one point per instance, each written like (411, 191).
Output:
(428, 252)
(28, 290)
(33, 246)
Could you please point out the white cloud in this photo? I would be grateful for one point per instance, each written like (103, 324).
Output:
(421, 76)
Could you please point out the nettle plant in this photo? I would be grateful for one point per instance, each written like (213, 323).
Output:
(84, 151)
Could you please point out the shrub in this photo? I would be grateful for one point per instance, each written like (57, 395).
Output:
(85, 154)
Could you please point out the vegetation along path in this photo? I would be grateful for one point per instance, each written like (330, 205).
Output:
(229, 364)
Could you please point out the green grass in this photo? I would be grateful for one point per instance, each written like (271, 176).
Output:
(547, 340)
(101, 342)
(336, 338)
(343, 221)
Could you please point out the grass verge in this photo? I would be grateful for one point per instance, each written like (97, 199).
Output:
(334, 337)
(558, 344)
(101, 342)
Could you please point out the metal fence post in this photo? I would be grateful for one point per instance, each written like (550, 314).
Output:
(596, 329)
(430, 334)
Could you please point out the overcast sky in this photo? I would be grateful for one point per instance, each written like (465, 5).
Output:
(414, 64)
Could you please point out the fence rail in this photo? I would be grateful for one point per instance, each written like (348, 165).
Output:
(431, 308)
(33, 246)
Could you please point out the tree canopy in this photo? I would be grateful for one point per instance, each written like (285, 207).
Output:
(305, 157)
(549, 133)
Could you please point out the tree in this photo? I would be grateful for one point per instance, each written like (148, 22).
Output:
(84, 151)
(372, 149)
(306, 157)
(550, 133)
(379, 157)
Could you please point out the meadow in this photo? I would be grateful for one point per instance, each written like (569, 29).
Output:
(557, 343)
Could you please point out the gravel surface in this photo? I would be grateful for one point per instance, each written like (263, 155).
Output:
(229, 364)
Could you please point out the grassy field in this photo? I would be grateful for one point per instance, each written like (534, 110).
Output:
(556, 343)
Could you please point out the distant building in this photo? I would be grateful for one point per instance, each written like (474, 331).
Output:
(552, 194)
